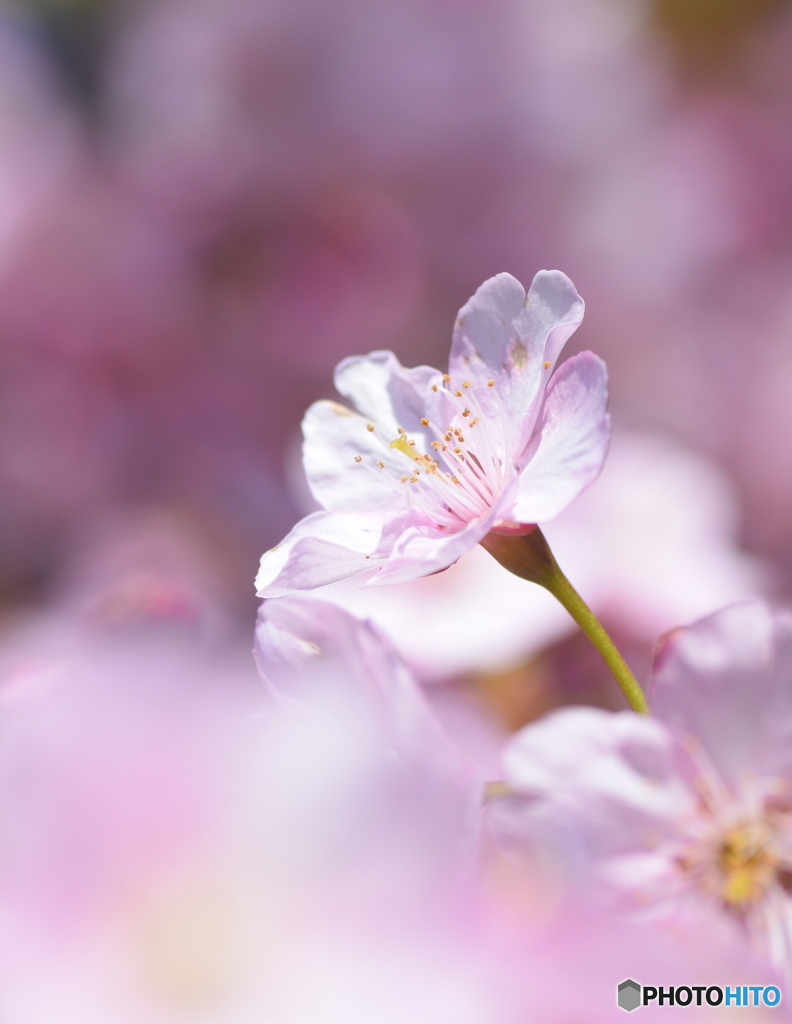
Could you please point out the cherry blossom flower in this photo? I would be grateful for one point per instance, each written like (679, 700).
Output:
(686, 813)
(430, 463)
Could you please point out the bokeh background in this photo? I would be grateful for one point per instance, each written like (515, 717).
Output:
(205, 204)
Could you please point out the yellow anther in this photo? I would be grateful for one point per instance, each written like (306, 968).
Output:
(358, 458)
(446, 378)
(424, 422)
(466, 384)
(457, 449)
(380, 465)
(413, 479)
(434, 387)
(454, 480)
(490, 383)
(547, 366)
(474, 422)
(457, 394)
(401, 444)
(404, 479)
(370, 427)
(466, 412)
(460, 438)
(401, 430)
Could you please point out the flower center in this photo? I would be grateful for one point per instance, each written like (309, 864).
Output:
(738, 865)
(747, 863)
(453, 474)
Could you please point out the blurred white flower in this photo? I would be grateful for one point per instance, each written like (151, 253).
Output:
(178, 845)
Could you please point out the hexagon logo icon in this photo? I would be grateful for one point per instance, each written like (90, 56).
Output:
(628, 995)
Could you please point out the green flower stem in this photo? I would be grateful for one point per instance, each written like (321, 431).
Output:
(528, 555)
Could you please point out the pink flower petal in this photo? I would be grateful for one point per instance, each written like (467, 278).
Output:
(504, 335)
(727, 680)
(356, 670)
(599, 780)
(571, 440)
(422, 549)
(322, 548)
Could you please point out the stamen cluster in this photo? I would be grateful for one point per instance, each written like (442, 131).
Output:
(454, 477)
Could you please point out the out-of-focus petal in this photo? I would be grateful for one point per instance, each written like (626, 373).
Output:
(596, 781)
(727, 680)
(656, 542)
(572, 439)
(316, 652)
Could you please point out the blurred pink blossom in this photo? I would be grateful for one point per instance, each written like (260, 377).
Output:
(177, 845)
(686, 813)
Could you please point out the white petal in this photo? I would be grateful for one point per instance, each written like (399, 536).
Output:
(570, 441)
(322, 548)
(333, 437)
(387, 393)
(423, 549)
(504, 335)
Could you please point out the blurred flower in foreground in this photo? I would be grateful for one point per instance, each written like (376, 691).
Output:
(328, 670)
(652, 545)
(500, 441)
(688, 812)
(176, 846)
(181, 843)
